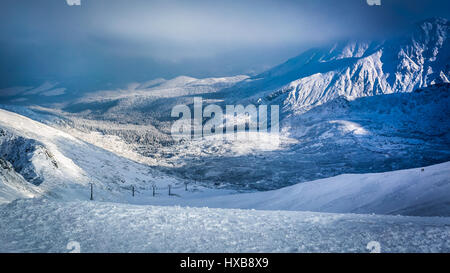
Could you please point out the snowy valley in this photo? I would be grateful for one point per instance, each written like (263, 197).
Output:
(364, 156)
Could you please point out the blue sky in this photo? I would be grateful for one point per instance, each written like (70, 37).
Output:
(137, 40)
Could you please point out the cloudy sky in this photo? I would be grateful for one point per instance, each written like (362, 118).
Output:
(137, 40)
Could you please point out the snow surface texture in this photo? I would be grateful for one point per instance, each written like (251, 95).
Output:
(47, 226)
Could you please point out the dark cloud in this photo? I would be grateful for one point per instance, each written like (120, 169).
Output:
(137, 40)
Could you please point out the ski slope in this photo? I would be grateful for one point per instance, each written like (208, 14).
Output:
(48, 226)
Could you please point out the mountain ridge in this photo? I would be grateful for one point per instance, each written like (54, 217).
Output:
(354, 69)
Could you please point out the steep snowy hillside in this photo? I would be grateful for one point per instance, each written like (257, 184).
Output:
(48, 226)
(356, 69)
(63, 166)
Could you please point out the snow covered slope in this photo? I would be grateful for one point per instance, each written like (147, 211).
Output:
(416, 192)
(63, 166)
(48, 226)
(161, 88)
(13, 186)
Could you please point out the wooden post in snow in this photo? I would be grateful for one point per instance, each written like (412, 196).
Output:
(92, 191)
(132, 190)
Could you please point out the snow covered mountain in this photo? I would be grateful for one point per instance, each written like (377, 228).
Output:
(368, 121)
(387, 131)
(356, 69)
(59, 215)
(369, 134)
(349, 108)
(88, 162)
